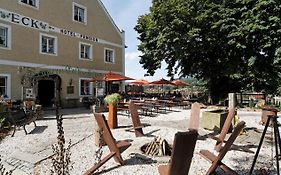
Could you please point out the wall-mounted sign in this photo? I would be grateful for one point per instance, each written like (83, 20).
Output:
(78, 35)
(29, 93)
(26, 21)
(70, 89)
(15, 18)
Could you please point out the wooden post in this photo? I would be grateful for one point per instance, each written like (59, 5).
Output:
(112, 116)
(231, 100)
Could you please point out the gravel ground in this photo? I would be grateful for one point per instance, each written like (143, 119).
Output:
(79, 127)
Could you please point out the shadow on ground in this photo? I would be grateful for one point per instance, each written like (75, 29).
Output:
(38, 130)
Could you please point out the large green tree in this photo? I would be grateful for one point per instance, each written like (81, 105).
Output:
(232, 44)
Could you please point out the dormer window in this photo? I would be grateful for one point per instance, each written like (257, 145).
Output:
(79, 13)
(33, 3)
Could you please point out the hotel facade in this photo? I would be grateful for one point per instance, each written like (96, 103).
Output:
(57, 46)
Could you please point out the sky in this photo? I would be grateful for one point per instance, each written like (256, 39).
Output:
(125, 15)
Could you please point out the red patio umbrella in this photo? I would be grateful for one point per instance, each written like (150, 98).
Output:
(180, 83)
(111, 76)
(137, 87)
(140, 82)
(162, 82)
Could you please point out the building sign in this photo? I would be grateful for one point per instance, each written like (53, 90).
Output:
(25, 21)
(78, 35)
(29, 93)
(15, 18)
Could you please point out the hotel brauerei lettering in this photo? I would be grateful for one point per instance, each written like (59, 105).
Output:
(41, 41)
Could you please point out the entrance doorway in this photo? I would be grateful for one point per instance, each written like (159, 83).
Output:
(46, 92)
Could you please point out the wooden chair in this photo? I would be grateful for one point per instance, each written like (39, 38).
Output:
(217, 160)
(194, 117)
(225, 129)
(137, 126)
(115, 148)
(182, 153)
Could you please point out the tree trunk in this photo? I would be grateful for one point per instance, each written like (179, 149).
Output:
(112, 116)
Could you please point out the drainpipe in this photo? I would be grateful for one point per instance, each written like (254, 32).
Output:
(123, 59)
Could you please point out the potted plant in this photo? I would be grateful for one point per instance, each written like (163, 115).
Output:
(112, 100)
(2, 105)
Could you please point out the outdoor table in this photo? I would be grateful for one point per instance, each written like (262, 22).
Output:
(185, 104)
(123, 106)
(167, 103)
(192, 100)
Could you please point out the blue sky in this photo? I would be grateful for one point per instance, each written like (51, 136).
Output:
(125, 15)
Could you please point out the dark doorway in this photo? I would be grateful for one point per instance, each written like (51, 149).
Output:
(46, 92)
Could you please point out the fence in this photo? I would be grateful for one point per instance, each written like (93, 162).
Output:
(248, 98)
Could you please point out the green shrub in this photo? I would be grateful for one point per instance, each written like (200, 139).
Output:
(113, 99)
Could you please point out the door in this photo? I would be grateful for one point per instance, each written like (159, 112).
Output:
(46, 92)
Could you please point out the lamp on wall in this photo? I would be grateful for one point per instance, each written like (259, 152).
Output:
(70, 81)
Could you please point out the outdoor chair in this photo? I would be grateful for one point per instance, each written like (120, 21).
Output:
(217, 160)
(194, 116)
(20, 118)
(182, 153)
(116, 148)
(137, 126)
(225, 129)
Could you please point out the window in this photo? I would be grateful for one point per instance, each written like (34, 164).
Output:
(48, 44)
(5, 36)
(86, 87)
(79, 13)
(5, 85)
(85, 51)
(109, 55)
(33, 3)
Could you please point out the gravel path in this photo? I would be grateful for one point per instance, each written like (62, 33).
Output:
(30, 154)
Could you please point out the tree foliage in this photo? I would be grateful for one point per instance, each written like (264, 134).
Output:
(232, 44)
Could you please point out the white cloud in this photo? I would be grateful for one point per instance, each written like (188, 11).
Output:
(133, 56)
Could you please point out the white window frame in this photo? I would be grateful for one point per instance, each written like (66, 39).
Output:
(55, 44)
(113, 59)
(9, 39)
(90, 58)
(8, 84)
(90, 88)
(28, 5)
(85, 13)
